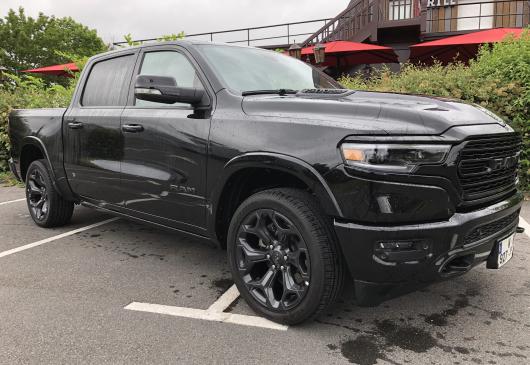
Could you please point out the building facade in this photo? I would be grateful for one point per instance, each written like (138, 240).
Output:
(401, 23)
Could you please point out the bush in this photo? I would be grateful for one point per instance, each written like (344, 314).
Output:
(30, 92)
(499, 80)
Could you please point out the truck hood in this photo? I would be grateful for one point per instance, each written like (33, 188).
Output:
(372, 112)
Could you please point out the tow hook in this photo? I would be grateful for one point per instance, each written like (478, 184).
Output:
(519, 230)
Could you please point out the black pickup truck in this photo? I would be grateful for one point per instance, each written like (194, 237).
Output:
(301, 180)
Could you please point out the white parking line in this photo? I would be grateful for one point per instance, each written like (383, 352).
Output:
(13, 201)
(54, 238)
(225, 300)
(206, 315)
(214, 313)
(525, 225)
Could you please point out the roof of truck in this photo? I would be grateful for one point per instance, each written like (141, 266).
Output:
(182, 42)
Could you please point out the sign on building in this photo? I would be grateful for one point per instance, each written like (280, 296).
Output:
(440, 3)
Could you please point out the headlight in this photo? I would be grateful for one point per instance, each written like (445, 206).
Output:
(386, 157)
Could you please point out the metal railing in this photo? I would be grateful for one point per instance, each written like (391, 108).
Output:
(477, 15)
(280, 35)
(363, 13)
(345, 25)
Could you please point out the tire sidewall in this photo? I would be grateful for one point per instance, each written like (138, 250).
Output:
(43, 170)
(312, 298)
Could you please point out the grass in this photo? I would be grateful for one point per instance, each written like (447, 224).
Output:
(7, 179)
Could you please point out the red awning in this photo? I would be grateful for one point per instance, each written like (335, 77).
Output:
(57, 70)
(461, 47)
(345, 53)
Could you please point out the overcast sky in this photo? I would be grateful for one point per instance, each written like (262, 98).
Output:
(152, 18)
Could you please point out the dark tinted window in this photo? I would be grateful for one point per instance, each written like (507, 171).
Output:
(172, 64)
(108, 82)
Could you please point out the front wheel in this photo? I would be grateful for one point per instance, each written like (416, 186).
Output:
(47, 208)
(283, 255)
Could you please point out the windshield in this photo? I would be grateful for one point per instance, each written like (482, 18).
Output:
(249, 69)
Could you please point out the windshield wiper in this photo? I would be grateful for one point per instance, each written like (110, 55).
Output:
(280, 92)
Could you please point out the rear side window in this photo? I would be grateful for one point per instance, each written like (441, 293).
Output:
(108, 82)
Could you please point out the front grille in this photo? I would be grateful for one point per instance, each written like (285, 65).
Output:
(490, 229)
(488, 166)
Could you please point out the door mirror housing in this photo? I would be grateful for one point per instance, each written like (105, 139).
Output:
(164, 89)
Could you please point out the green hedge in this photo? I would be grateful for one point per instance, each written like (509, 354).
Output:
(30, 92)
(499, 80)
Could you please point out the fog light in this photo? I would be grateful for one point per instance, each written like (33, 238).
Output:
(396, 245)
(398, 251)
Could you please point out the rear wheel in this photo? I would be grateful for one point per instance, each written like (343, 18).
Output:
(46, 207)
(283, 255)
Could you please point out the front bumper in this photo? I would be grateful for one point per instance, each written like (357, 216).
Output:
(465, 239)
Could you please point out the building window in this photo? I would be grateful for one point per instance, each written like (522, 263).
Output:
(463, 15)
(475, 14)
(403, 9)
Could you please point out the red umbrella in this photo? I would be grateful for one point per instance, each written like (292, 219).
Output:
(460, 47)
(57, 70)
(345, 53)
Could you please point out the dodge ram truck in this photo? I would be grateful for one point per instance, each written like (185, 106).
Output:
(302, 182)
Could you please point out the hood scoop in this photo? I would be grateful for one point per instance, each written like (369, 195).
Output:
(324, 93)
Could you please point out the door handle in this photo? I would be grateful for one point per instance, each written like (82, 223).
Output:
(132, 128)
(75, 125)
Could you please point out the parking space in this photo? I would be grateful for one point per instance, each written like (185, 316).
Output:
(65, 301)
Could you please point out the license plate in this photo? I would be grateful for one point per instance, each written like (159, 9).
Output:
(503, 252)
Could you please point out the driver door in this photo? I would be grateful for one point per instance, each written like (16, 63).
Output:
(163, 170)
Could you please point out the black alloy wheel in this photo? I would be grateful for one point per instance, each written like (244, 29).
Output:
(284, 255)
(273, 259)
(46, 206)
(37, 195)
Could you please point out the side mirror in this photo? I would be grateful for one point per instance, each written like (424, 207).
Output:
(163, 89)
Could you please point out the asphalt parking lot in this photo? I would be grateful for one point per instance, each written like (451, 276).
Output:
(107, 294)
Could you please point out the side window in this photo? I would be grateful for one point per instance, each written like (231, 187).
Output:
(172, 64)
(108, 82)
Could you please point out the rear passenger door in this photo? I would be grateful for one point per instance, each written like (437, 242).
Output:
(164, 162)
(93, 140)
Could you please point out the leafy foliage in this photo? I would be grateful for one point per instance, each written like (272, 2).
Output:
(168, 37)
(27, 92)
(27, 42)
(172, 37)
(499, 80)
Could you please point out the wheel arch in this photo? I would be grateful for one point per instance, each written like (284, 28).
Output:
(33, 149)
(252, 172)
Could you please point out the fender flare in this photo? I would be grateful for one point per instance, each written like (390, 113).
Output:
(61, 185)
(34, 141)
(275, 161)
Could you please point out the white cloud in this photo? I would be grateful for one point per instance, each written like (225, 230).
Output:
(152, 18)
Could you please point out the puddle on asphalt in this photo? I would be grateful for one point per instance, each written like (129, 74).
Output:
(222, 284)
(442, 319)
(381, 337)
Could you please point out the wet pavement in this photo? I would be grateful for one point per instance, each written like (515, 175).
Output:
(63, 302)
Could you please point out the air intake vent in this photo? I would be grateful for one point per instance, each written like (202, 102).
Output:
(490, 229)
(488, 166)
(325, 93)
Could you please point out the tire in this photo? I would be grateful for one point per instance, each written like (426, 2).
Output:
(47, 208)
(287, 228)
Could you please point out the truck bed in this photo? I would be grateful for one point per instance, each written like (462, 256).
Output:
(42, 127)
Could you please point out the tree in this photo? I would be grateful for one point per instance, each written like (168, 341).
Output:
(26, 42)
